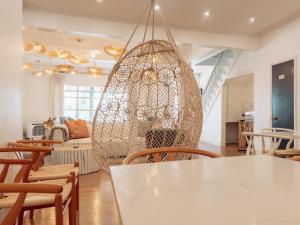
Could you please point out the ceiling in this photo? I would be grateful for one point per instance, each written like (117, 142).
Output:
(85, 46)
(230, 16)
(78, 44)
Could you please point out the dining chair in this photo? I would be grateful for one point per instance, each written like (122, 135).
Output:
(167, 154)
(53, 172)
(295, 158)
(66, 199)
(20, 190)
(275, 140)
(43, 142)
(277, 129)
(289, 150)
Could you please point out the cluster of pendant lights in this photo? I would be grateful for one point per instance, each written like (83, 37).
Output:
(74, 59)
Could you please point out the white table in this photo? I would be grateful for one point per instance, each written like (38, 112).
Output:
(246, 190)
(66, 154)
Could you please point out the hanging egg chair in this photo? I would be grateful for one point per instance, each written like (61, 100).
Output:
(151, 100)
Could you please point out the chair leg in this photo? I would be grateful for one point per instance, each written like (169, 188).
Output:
(31, 214)
(73, 202)
(20, 217)
(71, 214)
(72, 211)
(77, 194)
(59, 210)
(77, 188)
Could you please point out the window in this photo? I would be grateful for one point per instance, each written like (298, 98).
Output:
(81, 102)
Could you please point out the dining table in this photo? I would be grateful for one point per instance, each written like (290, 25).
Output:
(240, 190)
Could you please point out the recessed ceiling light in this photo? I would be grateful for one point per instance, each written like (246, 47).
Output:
(95, 53)
(156, 7)
(99, 1)
(206, 13)
(251, 20)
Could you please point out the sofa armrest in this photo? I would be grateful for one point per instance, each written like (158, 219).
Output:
(59, 132)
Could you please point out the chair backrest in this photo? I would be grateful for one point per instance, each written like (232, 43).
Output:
(284, 131)
(21, 189)
(277, 129)
(22, 175)
(14, 211)
(37, 150)
(295, 158)
(166, 154)
(275, 141)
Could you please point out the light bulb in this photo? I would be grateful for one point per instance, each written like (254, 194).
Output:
(206, 13)
(251, 20)
(27, 66)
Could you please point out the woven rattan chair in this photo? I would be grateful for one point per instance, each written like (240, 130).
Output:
(62, 195)
(40, 173)
(166, 154)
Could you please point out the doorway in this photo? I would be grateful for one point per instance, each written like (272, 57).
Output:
(283, 95)
(238, 110)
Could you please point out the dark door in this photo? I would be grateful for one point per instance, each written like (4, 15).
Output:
(283, 95)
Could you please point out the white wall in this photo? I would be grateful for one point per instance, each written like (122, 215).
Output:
(212, 126)
(11, 65)
(36, 95)
(244, 65)
(10, 76)
(239, 100)
(278, 46)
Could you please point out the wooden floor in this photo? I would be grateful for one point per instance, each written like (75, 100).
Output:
(97, 203)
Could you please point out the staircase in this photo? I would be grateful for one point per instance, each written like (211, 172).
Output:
(225, 62)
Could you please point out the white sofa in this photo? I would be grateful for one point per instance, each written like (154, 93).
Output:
(60, 132)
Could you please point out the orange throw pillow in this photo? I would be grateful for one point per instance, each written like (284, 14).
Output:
(77, 129)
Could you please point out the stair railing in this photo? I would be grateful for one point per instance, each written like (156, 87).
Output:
(222, 69)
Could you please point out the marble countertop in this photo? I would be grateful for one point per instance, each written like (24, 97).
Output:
(245, 190)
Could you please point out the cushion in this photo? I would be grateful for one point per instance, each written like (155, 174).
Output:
(90, 129)
(80, 141)
(77, 129)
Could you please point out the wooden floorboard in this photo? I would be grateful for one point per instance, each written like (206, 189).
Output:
(97, 202)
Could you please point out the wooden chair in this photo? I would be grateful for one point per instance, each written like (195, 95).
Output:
(66, 199)
(295, 158)
(166, 154)
(40, 173)
(277, 129)
(275, 140)
(289, 151)
(21, 190)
